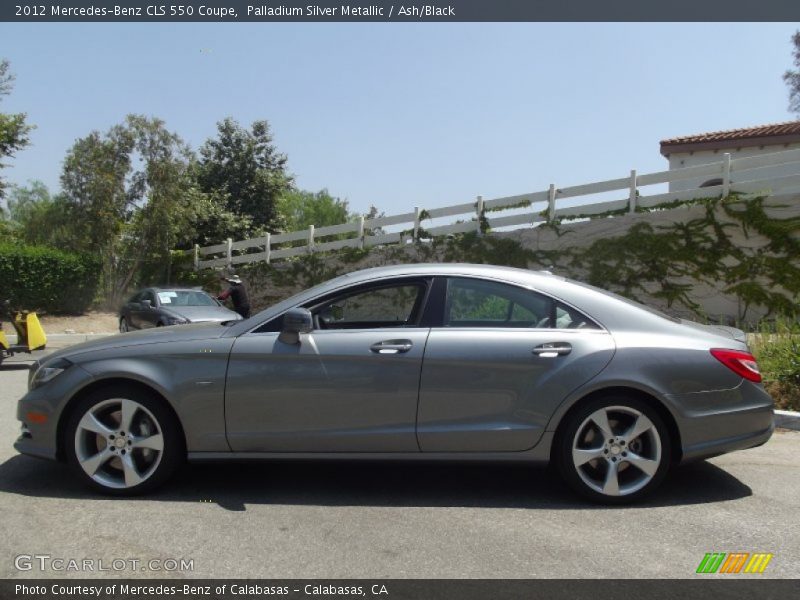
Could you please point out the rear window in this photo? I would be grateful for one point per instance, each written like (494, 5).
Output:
(628, 301)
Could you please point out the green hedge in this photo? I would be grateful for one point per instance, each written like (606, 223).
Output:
(46, 279)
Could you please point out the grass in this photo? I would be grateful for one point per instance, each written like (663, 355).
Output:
(777, 350)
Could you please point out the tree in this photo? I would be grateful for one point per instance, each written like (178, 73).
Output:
(299, 209)
(13, 129)
(37, 218)
(211, 221)
(131, 195)
(792, 78)
(245, 167)
(94, 181)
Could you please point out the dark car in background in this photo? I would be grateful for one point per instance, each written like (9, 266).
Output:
(159, 307)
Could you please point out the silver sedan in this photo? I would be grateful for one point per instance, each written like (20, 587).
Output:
(415, 362)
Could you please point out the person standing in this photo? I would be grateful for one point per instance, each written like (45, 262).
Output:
(238, 294)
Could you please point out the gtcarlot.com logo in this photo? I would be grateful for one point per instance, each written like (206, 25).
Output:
(45, 562)
(731, 563)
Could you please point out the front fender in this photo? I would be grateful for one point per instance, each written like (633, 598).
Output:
(190, 375)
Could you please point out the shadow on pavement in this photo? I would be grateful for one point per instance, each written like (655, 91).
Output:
(15, 366)
(234, 486)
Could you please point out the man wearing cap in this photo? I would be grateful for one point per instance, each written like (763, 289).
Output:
(238, 295)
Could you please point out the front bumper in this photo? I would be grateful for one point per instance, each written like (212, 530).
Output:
(39, 435)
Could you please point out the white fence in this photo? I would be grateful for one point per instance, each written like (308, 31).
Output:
(505, 212)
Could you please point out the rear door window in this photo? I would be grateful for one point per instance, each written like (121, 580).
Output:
(481, 303)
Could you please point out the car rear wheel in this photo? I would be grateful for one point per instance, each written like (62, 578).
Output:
(123, 441)
(614, 450)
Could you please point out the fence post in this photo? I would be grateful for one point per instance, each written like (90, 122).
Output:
(310, 239)
(551, 202)
(632, 196)
(416, 223)
(726, 175)
(229, 253)
(361, 232)
(479, 212)
(197, 257)
(267, 245)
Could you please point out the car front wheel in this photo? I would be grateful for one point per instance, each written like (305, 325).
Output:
(614, 450)
(123, 442)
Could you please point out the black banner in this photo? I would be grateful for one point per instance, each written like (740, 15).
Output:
(402, 589)
(393, 11)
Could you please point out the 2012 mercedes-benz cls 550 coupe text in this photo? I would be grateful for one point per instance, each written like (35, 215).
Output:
(428, 362)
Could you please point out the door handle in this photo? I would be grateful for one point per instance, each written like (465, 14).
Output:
(552, 349)
(391, 347)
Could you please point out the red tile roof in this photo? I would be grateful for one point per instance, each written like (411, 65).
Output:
(776, 133)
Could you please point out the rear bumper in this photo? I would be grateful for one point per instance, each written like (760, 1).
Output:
(719, 446)
(714, 423)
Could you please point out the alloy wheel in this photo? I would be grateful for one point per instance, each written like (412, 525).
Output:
(617, 450)
(119, 443)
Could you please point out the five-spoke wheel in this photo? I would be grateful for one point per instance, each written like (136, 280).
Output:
(123, 441)
(614, 449)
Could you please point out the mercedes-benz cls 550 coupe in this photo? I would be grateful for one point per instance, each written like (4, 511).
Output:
(414, 362)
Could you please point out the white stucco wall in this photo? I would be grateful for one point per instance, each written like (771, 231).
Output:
(713, 300)
(682, 160)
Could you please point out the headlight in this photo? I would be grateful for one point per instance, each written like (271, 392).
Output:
(176, 321)
(48, 371)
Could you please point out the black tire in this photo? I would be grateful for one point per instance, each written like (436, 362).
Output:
(151, 413)
(123, 325)
(652, 448)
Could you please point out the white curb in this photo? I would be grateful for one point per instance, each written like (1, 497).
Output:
(69, 338)
(787, 419)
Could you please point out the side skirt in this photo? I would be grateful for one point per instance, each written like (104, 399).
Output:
(538, 454)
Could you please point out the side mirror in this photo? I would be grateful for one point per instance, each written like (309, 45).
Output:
(295, 322)
(147, 305)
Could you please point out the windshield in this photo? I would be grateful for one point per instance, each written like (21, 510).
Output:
(186, 298)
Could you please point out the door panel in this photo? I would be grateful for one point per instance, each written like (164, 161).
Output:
(336, 391)
(144, 317)
(135, 314)
(492, 389)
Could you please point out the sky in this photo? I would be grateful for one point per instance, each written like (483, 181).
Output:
(402, 115)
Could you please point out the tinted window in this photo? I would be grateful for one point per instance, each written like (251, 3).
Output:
(478, 303)
(388, 306)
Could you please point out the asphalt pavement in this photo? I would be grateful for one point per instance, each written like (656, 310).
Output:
(312, 520)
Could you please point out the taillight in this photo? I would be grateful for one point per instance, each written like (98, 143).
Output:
(741, 363)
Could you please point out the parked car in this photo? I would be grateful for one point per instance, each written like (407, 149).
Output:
(415, 362)
(158, 307)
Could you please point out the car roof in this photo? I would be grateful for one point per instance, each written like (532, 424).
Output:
(176, 289)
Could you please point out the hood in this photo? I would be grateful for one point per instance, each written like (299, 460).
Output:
(718, 330)
(158, 335)
(197, 314)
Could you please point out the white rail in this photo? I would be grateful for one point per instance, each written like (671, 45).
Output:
(735, 175)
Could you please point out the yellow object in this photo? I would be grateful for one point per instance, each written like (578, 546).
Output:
(3, 340)
(36, 337)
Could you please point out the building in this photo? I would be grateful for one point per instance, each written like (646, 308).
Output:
(704, 148)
